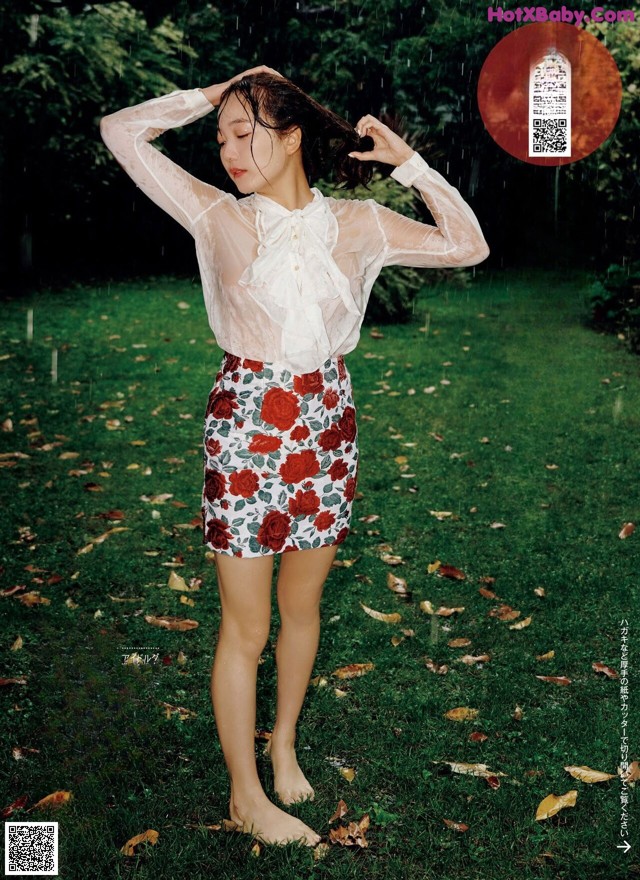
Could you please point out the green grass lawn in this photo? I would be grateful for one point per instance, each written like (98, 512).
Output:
(527, 437)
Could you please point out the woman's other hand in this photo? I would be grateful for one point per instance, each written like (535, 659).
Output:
(215, 92)
(388, 147)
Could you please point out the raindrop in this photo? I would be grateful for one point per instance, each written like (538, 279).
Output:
(462, 69)
(430, 55)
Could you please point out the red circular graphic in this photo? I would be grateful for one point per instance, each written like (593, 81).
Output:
(503, 89)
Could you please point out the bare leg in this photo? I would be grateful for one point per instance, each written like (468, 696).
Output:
(245, 595)
(300, 581)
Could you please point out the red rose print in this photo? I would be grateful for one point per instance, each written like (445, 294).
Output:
(347, 423)
(350, 489)
(280, 408)
(222, 404)
(338, 470)
(217, 534)
(301, 432)
(231, 363)
(264, 443)
(342, 534)
(255, 366)
(213, 446)
(304, 504)
(308, 383)
(274, 530)
(330, 398)
(215, 484)
(298, 465)
(324, 521)
(244, 483)
(342, 370)
(331, 438)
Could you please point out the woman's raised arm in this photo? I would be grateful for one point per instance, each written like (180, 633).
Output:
(128, 134)
(457, 240)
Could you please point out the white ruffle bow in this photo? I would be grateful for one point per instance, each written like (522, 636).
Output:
(294, 272)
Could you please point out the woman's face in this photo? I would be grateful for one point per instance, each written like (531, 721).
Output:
(237, 140)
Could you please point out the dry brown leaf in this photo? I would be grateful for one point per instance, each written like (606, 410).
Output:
(458, 643)
(352, 835)
(433, 566)
(33, 597)
(631, 774)
(148, 836)
(18, 804)
(521, 623)
(450, 571)
(176, 582)
(470, 769)
(548, 656)
(174, 623)
(393, 617)
(540, 591)
(348, 772)
(433, 667)
(555, 679)
(447, 612)
(339, 812)
(7, 681)
(397, 584)
(16, 644)
(503, 612)
(353, 670)
(391, 559)
(553, 803)
(180, 711)
(470, 659)
(108, 533)
(455, 826)
(627, 529)
(461, 713)
(476, 736)
(54, 800)
(606, 670)
(586, 774)
(441, 514)
(344, 563)
(488, 594)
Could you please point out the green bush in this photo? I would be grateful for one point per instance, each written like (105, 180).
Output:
(615, 303)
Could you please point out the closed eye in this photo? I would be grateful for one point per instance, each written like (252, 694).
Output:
(240, 136)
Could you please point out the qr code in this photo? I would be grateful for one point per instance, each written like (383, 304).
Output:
(31, 848)
(549, 135)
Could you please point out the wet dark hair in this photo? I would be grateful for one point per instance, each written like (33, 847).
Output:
(326, 137)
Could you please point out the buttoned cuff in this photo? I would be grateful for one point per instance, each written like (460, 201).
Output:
(409, 171)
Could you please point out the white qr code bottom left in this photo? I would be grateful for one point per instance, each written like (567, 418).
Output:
(31, 848)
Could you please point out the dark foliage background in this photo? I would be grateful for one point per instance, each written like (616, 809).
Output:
(69, 212)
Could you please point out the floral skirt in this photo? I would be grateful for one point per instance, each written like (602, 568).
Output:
(280, 458)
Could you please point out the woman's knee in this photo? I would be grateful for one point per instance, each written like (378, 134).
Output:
(245, 598)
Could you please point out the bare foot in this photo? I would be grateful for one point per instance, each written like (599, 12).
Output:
(289, 781)
(270, 824)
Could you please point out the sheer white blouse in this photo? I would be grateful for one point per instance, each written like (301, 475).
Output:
(285, 286)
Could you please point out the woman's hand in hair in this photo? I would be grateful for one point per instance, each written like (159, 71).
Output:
(388, 147)
(214, 93)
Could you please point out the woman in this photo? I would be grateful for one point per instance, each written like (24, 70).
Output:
(286, 276)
